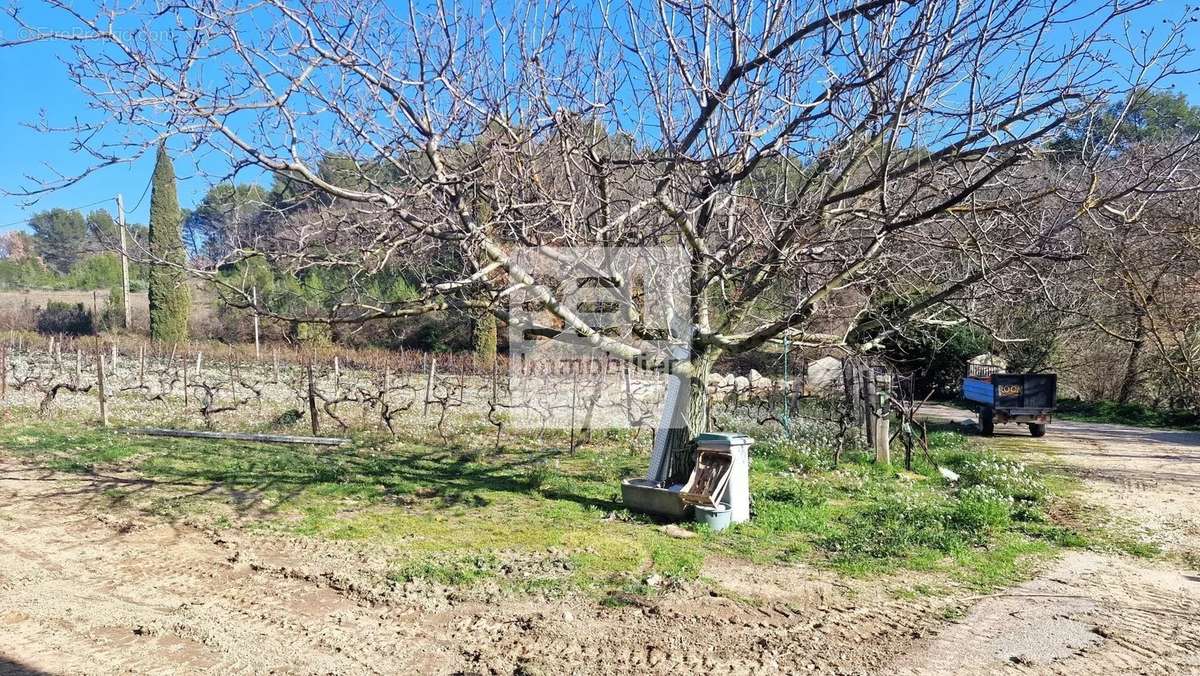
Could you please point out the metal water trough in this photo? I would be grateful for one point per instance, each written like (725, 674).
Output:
(646, 496)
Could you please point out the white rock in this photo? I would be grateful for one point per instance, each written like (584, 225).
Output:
(824, 375)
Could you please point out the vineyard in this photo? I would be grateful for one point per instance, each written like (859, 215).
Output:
(125, 382)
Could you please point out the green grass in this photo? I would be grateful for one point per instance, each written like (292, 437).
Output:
(460, 517)
(1138, 415)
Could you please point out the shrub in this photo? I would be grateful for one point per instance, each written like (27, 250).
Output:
(287, 419)
(113, 314)
(65, 319)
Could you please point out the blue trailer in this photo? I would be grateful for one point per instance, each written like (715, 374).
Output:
(1028, 398)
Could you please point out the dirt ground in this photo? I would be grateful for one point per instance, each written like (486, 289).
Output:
(84, 589)
(1092, 613)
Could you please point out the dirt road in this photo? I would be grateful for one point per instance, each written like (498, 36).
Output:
(84, 589)
(1094, 613)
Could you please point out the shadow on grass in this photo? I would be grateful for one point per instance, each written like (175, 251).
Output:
(261, 479)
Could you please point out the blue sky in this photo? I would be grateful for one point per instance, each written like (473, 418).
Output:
(34, 80)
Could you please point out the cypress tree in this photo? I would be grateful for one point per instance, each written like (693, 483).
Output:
(169, 297)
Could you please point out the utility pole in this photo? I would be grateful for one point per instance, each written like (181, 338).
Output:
(124, 260)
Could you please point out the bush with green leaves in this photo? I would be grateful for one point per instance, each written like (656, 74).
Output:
(101, 271)
(27, 273)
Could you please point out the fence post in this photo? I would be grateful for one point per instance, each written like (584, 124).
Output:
(275, 368)
(199, 363)
(78, 367)
(574, 387)
(141, 366)
(429, 383)
(114, 356)
(257, 349)
(3, 371)
(853, 392)
(879, 404)
(312, 400)
(868, 399)
(185, 384)
(103, 399)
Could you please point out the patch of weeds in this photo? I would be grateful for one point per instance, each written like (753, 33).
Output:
(953, 613)
(677, 560)
(1010, 558)
(537, 476)
(451, 571)
(624, 598)
(71, 466)
(455, 498)
(1128, 544)
(549, 586)
(980, 510)
(792, 506)
(1099, 531)
(1128, 413)
(948, 441)
(1008, 477)
(1062, 536)
(892, 527)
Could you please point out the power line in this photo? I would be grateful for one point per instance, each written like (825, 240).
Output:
(146, 190)
(81, 206)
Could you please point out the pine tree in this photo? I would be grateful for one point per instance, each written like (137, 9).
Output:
(169, 298)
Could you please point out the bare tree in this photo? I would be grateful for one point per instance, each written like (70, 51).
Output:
(810, 157)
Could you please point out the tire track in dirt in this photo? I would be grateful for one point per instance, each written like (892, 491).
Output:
(87, 590)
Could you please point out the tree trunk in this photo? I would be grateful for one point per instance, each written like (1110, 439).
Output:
(1132, 362)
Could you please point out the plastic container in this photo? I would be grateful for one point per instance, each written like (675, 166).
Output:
(717, 518)
(737, 491)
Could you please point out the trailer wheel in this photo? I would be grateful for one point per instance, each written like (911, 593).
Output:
(987, 423)
(1037, 429)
